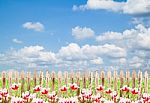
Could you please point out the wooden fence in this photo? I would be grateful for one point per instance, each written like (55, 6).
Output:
(86, 79)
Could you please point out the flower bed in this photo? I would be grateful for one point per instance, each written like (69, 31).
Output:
(69, 95)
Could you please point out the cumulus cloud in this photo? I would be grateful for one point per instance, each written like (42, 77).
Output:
(128, 7)
(37, 26)
(72, 55)
(139, 36)
(136, 62)
(136, 42)
(109, 36)
(32, 56)
(74, 51)
(15, 40)
(82, 33)
(97, 61)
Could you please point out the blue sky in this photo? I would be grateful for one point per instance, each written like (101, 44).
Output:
(50, 25)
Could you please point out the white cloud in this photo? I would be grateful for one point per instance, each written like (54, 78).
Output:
(129, 7)
(28, 57)
(109, 36)
(82, 33)
(15, 40)
(137, 38)
(97, 61)
(136, 62)
(72, 55)
(75, 52)
(37, 26)
(135, 41)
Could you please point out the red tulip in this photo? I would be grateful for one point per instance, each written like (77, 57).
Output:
(37, 89)
(44, 91)
(4, 92)
(74, 87)
(125, 89)
(14, 86)
(135, 91)
(100, 88)
(108, 91)
(63, 88)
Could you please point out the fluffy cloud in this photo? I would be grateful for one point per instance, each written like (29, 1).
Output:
(72, 56)
(32, 56)
(74, 51)
(15, 40)
(136, 62)
(82, 33)
(128, 7)
(97, 61)
(109, 36)
(37, 26)
(138, 37)
(136, 42)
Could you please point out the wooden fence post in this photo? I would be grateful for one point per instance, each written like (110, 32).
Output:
(145, 82)
(109, 79)
(53, 80)
(72, 77)
(84, 80)
(34, 77)
(121, 81)
(127, 78)
(41, 78)
(133, 79)
(22, 82)
(140, 82)
(47, 79)
(3, 79)
(9, 81)
(28, 81)
(102, 77)
(96, 79)
(16, 76)
(66, 78)
(90, 79)
(78, 82)
(59, 82)
(115, 81)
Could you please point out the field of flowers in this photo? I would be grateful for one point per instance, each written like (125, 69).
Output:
(40, 88)
(69, 94)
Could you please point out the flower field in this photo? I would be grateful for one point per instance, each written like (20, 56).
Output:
(74, 89)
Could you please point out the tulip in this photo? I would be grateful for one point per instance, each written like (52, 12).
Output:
(37, 88)
(96, 98)
(14, 86)
(44, 90)
(52, 96)
(108, 91)
(63, 88)
(100, 88)
(134, 91)
(17, 100)
(125, 88)
(74, 87)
